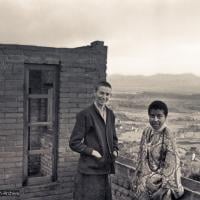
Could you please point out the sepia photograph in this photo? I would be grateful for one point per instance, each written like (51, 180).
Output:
(99, 100)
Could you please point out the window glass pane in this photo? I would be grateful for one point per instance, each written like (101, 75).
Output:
(38, 136)
(40, 156)
(38, 110)
(40, 165)
(40, 81)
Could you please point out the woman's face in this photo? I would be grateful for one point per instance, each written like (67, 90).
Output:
(156, 118)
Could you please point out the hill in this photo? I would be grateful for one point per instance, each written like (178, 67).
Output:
(161, 83)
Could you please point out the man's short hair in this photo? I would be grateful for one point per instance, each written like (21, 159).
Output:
(103, 83)
(158, 105)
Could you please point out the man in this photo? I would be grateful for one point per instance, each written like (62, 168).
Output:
(94, 137)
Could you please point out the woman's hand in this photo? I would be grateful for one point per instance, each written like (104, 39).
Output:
(139, 188)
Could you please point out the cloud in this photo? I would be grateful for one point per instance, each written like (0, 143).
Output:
(136, 31)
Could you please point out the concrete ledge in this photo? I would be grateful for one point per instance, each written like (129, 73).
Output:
(191, 184)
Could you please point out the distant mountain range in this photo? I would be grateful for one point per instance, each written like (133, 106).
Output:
(162, 83)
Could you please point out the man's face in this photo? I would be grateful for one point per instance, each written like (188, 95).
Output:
(102, 95)
(157, 118)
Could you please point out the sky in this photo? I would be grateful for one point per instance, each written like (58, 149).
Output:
(144, 37)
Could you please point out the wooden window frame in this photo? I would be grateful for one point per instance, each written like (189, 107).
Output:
(43, 179)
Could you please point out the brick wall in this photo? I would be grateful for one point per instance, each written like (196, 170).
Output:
(80, 69)
(11, 119)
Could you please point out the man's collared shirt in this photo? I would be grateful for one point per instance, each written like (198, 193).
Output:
(102, 111)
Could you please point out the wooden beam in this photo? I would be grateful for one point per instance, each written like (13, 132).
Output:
(40, 124)
(39, 180)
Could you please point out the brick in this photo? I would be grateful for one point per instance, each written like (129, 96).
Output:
(7, 165)
(11, 126)
(7, 121)
(7, 132)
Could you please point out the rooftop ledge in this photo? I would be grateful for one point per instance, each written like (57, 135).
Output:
(125, 170)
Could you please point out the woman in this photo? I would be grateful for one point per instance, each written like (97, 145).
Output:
(158, 172)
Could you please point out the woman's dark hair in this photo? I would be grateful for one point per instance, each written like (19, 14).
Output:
(158, 105)
(102, 83)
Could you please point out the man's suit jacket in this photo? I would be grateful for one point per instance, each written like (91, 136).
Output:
(92, 133)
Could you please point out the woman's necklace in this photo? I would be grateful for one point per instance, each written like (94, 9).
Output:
(161, 157)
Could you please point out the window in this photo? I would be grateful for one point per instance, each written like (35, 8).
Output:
(40, 123)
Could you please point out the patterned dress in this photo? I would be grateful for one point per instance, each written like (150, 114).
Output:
(158, 171)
